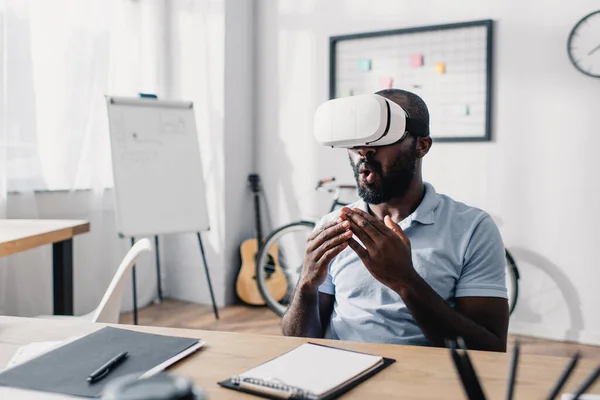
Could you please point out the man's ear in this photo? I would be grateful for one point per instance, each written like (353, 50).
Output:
(423, 146)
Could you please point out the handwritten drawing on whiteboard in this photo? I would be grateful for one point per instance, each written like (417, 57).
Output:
(157, 169)
(172, 126)
(449, 66)
(138, 159)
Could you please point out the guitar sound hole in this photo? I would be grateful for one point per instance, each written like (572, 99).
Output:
(269, 267)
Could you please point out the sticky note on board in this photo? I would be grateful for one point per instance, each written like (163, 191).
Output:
(440, 68)
(347, 92)
(364, 64)
(385, 82)
(416, 60)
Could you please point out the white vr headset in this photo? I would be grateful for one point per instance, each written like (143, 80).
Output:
(365, 120)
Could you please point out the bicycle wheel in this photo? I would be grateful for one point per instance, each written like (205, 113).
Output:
(512, 281)
(282, 252)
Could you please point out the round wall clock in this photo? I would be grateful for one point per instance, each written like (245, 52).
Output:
(583, 45)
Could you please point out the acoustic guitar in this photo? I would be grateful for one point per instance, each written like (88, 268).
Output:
(275, 279)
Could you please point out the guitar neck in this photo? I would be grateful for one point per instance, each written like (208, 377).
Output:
(259, 237)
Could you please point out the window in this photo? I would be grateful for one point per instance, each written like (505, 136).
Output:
(61, 57)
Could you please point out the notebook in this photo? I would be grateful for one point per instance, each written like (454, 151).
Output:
(35, 349)
(310, 371)
(25, 394)
(65, 369)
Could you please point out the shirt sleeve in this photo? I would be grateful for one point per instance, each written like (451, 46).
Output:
(483, 272)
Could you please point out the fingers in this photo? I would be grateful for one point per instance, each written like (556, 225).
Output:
(360, 251)
(331, 243)
(317, 264)
(331, 253)
(328, 232)
(316, 232)
(375, 223)
(392, 225)
(362, 228)
(396, 228)
(364, 237)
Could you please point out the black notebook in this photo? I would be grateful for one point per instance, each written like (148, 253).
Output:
(65, 369)
(310, 371)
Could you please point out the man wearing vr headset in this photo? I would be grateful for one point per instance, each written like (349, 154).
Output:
(404, 264)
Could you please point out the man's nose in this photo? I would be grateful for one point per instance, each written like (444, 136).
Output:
(366, 151)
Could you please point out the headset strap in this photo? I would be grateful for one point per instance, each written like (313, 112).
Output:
(416, 127)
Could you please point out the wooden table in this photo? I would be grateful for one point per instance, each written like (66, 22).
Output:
(18, 235)
(418, 373)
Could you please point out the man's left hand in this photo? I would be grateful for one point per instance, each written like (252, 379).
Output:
(386, 252)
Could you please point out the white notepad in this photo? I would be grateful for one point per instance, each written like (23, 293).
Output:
(35, 349)
(310, 371)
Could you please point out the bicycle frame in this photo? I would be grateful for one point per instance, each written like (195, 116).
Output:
(335, 191)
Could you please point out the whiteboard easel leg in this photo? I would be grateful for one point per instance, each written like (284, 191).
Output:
(158, 276)
(135, 314)
(212, 296)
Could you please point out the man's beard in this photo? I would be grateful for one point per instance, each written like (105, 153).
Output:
(394, 183)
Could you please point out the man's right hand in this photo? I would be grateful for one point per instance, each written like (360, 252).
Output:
(322, 246)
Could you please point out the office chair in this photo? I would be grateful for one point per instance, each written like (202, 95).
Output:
(108, 310)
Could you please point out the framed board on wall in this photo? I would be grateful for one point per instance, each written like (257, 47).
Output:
(449, 66)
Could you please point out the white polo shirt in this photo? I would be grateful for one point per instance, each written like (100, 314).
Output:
(456, 249)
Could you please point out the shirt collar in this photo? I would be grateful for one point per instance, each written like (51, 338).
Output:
(425, 212)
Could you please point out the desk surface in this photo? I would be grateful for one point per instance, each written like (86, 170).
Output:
(419, 373)
(18, 235)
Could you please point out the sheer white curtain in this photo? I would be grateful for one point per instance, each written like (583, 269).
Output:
(59, 59)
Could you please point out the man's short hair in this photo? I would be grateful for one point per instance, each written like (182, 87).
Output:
(415, 106)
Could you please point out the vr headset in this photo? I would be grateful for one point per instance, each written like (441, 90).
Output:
(365, 120)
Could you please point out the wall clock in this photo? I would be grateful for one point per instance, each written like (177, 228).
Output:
(583, 45)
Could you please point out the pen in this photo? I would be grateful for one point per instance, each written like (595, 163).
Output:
(106, 368)
(470, 371)
(461, 371)
(563, 378)
(513, 372)
(589, 381)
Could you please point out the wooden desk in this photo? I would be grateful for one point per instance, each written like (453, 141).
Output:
(418, 373)
(18, 235)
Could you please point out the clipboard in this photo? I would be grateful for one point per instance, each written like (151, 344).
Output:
(279, 390)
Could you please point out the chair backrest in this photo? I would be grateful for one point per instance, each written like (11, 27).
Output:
(109, 309)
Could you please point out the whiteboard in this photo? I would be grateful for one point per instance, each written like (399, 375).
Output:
(449, 66)
(157, 169)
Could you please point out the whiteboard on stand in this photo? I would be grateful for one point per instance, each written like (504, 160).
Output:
(157, 169)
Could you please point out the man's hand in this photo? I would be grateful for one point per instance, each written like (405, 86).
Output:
(310, 310)
(323, 245)
(482, 322)
(386, 252)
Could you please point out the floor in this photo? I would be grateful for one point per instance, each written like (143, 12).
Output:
(237, 318)
(260, 320)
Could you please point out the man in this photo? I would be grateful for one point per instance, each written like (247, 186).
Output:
(429, 268)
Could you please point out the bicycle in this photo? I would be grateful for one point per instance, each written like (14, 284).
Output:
(290, 241)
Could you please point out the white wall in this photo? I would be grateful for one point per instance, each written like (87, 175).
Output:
(240, 136)
(536, 177)
(214, 67)
(197, 30)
